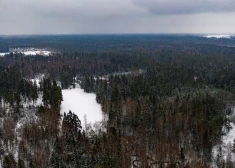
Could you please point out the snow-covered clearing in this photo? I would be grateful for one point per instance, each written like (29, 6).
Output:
(218, 36)
(82, 104)
(2, 54)
(44, 53)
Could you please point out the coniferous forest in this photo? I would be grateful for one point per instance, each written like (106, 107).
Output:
(169, 100)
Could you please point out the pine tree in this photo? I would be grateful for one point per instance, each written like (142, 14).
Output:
(21, 163)
(34, 93)
(9, 161)
(17, 100)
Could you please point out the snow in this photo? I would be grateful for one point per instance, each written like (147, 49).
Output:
(230, 136)
(44, 53)
(226, 142)
(38, 79)
(82, 104)
(218, 36)
(2, 54)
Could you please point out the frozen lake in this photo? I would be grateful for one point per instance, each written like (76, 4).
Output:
(81, 104)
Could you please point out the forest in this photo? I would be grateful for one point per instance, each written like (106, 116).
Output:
(168, 99)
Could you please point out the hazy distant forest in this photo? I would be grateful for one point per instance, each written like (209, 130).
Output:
(169, 110)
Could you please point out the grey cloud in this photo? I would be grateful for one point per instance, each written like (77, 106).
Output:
(187, 6)
(66, 16)
(115, 16)
(79, 7)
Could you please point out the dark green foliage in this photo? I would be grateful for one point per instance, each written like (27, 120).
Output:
(3, 46)
(9, 161)
(34, 93)
(21, 163)
(167, 102)
(56, 159)
(89, 84)
(52, 94)
(66, 76)
(72, 121)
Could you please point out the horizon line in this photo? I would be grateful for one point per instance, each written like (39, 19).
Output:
(100, 34)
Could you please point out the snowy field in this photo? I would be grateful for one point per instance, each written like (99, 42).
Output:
(218, 36)
(82, 104)
(45, 53)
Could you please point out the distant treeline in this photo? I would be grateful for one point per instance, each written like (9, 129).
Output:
(116, 43)
(4, 47)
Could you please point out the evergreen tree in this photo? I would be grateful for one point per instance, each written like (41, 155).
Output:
(34, 93)
(9, 161)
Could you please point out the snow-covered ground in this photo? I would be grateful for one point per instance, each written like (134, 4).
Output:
(230, 136)
(38, 79)
(45, 53)
(226, 142)
(82, 104)
(218, 36)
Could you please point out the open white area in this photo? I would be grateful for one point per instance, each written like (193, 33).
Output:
(226, 141)
(218, 36)
(45, 53)
(230, 136)
(81, 104)
(3, 54)
(28, 53)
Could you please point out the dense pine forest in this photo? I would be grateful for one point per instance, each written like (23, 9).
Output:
(169, 100)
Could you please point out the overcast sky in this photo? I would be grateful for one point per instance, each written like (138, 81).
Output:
(116, 16)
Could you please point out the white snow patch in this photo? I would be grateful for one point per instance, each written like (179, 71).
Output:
(218, 36)
(230, 136)
(226, 143)
(44, 53)
(2, 54)
(82, 104)
(38, 79)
